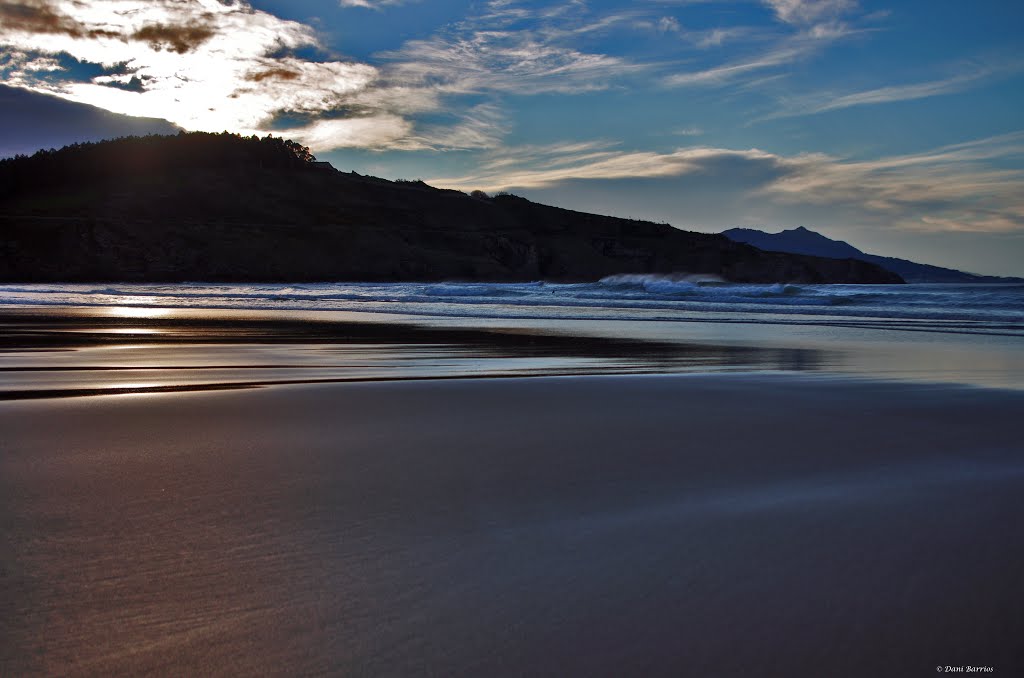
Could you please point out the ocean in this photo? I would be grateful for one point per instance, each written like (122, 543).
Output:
(976, 309)
(963, 334)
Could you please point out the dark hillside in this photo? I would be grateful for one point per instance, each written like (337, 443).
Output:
(222, 207)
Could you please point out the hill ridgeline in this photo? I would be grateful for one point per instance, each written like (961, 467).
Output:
(220, 207)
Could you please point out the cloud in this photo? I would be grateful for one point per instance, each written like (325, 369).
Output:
(669, 24)
(720, 75)
(954, 187)
(964, 187)
(809, 26)
(179, 38)
(809, 11)
(788, 49)
(521, 62)
(514, 48)
(701, 39)
(823, 102)
(201, 64)
(371, 4)
(40, 17)
(482, 126)
(214, 65)
(960, 187)
(20, 65)
(716, 37)
(377, 131)
(545, 166)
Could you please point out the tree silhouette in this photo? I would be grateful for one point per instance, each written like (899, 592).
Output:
(152, 154)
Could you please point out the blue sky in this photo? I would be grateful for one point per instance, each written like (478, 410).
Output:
(898, 126)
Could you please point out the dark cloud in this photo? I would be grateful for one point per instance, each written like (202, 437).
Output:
(273, 74)
(180, 38)
(41, 17)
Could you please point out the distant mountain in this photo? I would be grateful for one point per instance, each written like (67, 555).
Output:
(803, 241)
(221, 207)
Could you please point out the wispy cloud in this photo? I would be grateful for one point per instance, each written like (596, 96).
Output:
(716, 37)
(373, 4)
(512, 48)
(668, 24)
(956, 187)
(545, 166)
(377, 131)
(497, 61)
(783, 50)
(720, 75)
(825, 101)
(805, 28)
(809, 11)
(482, 126)
(706, 38)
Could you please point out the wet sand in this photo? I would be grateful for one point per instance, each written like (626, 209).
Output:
(724, 525)
(89, 351)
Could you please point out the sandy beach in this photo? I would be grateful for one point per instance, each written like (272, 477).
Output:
(732, 525)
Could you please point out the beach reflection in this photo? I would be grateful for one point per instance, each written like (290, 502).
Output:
(76, 351)
(53, 356)
(137, 311)
(127, 330)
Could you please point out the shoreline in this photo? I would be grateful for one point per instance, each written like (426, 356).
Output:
(739, 375)
(62, 349)
(106, 351)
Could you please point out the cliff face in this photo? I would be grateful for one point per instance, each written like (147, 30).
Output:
(247, 223)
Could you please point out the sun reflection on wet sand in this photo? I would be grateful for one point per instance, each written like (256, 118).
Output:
(137, 311)
(128, 330)
(226, 346)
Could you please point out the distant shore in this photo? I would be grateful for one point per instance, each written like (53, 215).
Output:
(655, 525)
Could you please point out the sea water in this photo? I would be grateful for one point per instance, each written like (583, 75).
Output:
(926, 332)
(978, 308)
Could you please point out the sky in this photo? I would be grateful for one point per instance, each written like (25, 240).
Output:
(896, 125)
